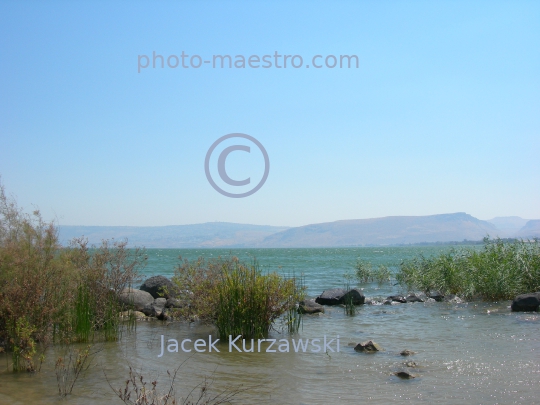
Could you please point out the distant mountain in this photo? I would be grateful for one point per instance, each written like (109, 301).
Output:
(384, 231)
(530, 230)
(208, 235)
(508, 226)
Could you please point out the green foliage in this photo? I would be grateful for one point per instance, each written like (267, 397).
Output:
(365, 273)
(501, 270)
(236, 296)
(50, 293)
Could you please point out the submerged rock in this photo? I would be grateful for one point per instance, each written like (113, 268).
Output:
(411, 364)
(404, 375)
(135, 299)
(407, 352)
(526, 302)
(397, 298)
(368, 347)
(337, 296)
(309, 307)
(159, 286)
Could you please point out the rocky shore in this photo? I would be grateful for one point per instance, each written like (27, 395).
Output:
(158, 298)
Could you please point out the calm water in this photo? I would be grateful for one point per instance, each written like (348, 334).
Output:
(475, 353)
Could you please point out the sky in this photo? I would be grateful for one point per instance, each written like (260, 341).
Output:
(441, 114)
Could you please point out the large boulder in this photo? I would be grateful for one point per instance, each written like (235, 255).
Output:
(159, 287)
(134, 299)
(309, 307)
(336, 296)
(526, 302)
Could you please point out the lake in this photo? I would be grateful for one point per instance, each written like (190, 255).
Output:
(477, 353)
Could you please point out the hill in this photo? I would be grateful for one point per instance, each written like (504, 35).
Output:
(384, 231)
(207, 235)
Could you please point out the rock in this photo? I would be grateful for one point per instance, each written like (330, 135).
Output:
(437, 296)
(388, 302)
(336, 296)
(405, 375)
(156, 309)
(411, 364)
(413, 298)
(130, 313)
(174, 303)
(159, 286)
(368, 347)
(309, 307)
(526, 302)
(397, 298)
(134, 299)
(452, 298)
(407, 352)
(355, 295)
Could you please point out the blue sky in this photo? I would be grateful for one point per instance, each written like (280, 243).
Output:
(442, 114)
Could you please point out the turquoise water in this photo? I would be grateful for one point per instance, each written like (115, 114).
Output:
(322, 268)
(470, 353)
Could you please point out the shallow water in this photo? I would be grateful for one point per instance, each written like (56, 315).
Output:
(478, 353)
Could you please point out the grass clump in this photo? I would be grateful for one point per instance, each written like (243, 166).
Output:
(499, 271)
(237, 297)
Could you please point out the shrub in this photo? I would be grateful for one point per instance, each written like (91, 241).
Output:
(50, 293)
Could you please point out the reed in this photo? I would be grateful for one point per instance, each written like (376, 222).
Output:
(500, 270)
(237, 297)
(365, 273)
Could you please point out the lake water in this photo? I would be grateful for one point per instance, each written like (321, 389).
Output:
(474, 353)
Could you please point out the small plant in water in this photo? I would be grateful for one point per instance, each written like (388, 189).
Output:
(350, 308)
(69, 368)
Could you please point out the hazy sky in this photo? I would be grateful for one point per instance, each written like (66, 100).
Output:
(442, 115)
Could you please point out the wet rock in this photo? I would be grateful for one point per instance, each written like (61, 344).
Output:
(309, 307)
(526, 302)
(453, 299)
(159, 286)
(413, 298)
(411, 364)
(337, 296)
(437, 296)
(135, 314)
(404, 374)
(407, 352)
(397, 298)
(174, 303)
(134, 299)
(368, 347)
(156, 309)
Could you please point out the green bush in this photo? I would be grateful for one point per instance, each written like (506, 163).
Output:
(49, 293)
(501, 270)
